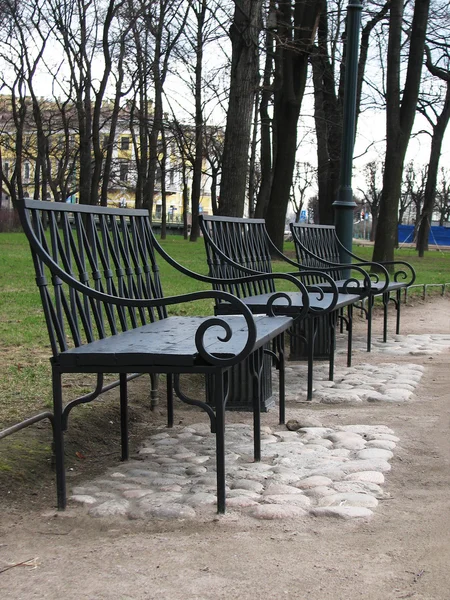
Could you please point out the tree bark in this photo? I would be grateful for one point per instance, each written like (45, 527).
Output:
(198, 159)
(399, 119)
(267, 150)
(439, 129)
(295, 35)
(244, 34)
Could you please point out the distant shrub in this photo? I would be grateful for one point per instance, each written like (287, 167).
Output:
(9, 220)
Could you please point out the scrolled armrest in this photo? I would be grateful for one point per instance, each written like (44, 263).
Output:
(406, 271)
(249, 276)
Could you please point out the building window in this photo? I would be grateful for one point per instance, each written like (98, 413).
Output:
(6, 169)
(26, 171)
(125, 143)
(123, 172)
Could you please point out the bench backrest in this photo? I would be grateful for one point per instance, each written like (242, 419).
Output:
(109, 250)
(244, 241)
(316, 243)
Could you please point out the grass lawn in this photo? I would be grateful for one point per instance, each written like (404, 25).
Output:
(25, 370)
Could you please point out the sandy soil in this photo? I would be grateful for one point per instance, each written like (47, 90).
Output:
(402, 552)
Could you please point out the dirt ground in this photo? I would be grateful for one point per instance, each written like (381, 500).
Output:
(403, 551)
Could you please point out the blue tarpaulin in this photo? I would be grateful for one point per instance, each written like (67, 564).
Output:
(438, 235)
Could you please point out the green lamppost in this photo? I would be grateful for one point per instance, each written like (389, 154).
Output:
(345, 204)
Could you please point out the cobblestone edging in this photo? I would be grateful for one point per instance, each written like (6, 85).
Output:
(399, 345)
(307, 469)
(313, 470)
(385, 382)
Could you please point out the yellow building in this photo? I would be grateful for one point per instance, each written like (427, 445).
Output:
(63, 164)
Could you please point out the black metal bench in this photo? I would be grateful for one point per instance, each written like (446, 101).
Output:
(318, 246)
(235, 246)
(103, 302)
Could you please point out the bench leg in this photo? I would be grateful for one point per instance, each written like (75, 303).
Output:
(397, 306)
(281, 379)
(219, 400)
(341, 320)
(311, 338)
(369, 322)
(255, 365)
(58, 440)
(349, 334)
(386, 296)
(169, 382)
(124, 416)
(332, 326)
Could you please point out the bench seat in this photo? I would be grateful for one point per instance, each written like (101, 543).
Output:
(169, 343)
(237, 246)
(258, 303)
(318, 246)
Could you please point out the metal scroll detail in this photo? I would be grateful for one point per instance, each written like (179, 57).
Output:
(212, 359)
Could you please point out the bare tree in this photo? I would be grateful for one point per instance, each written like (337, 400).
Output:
(436, 109)
(264, 96)
(304, 176)
(165, 20)
(372, 193)
(413, 194)
(442, 204)
(400, 112)
(295, 33)
(214, 137)
(244, 34)
(328, 63)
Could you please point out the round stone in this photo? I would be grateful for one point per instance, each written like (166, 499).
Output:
(372, 464)
(342, 437)
(196, 470)
(319, 491)
(295, 424)
(277, 511)
(110, 508)
(349, 499)
(314, 481)
(83, 499)
(162, 511)
(292, 499)
(343, 512)
(381, 436)
(383, 444)
(367, 476)
(201, 498)
(369, 453)
(240, 502)
(130, 494)
(279, 488)
(246, 484)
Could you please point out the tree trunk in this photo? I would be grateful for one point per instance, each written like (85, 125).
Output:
(185, 200)
(328, 109)
(244, 34)
(198, 160)
(162, 166)
(399, 119)
(295, 36)
(266, 121)
(433, 167)
(252, 183)
(328, 121)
